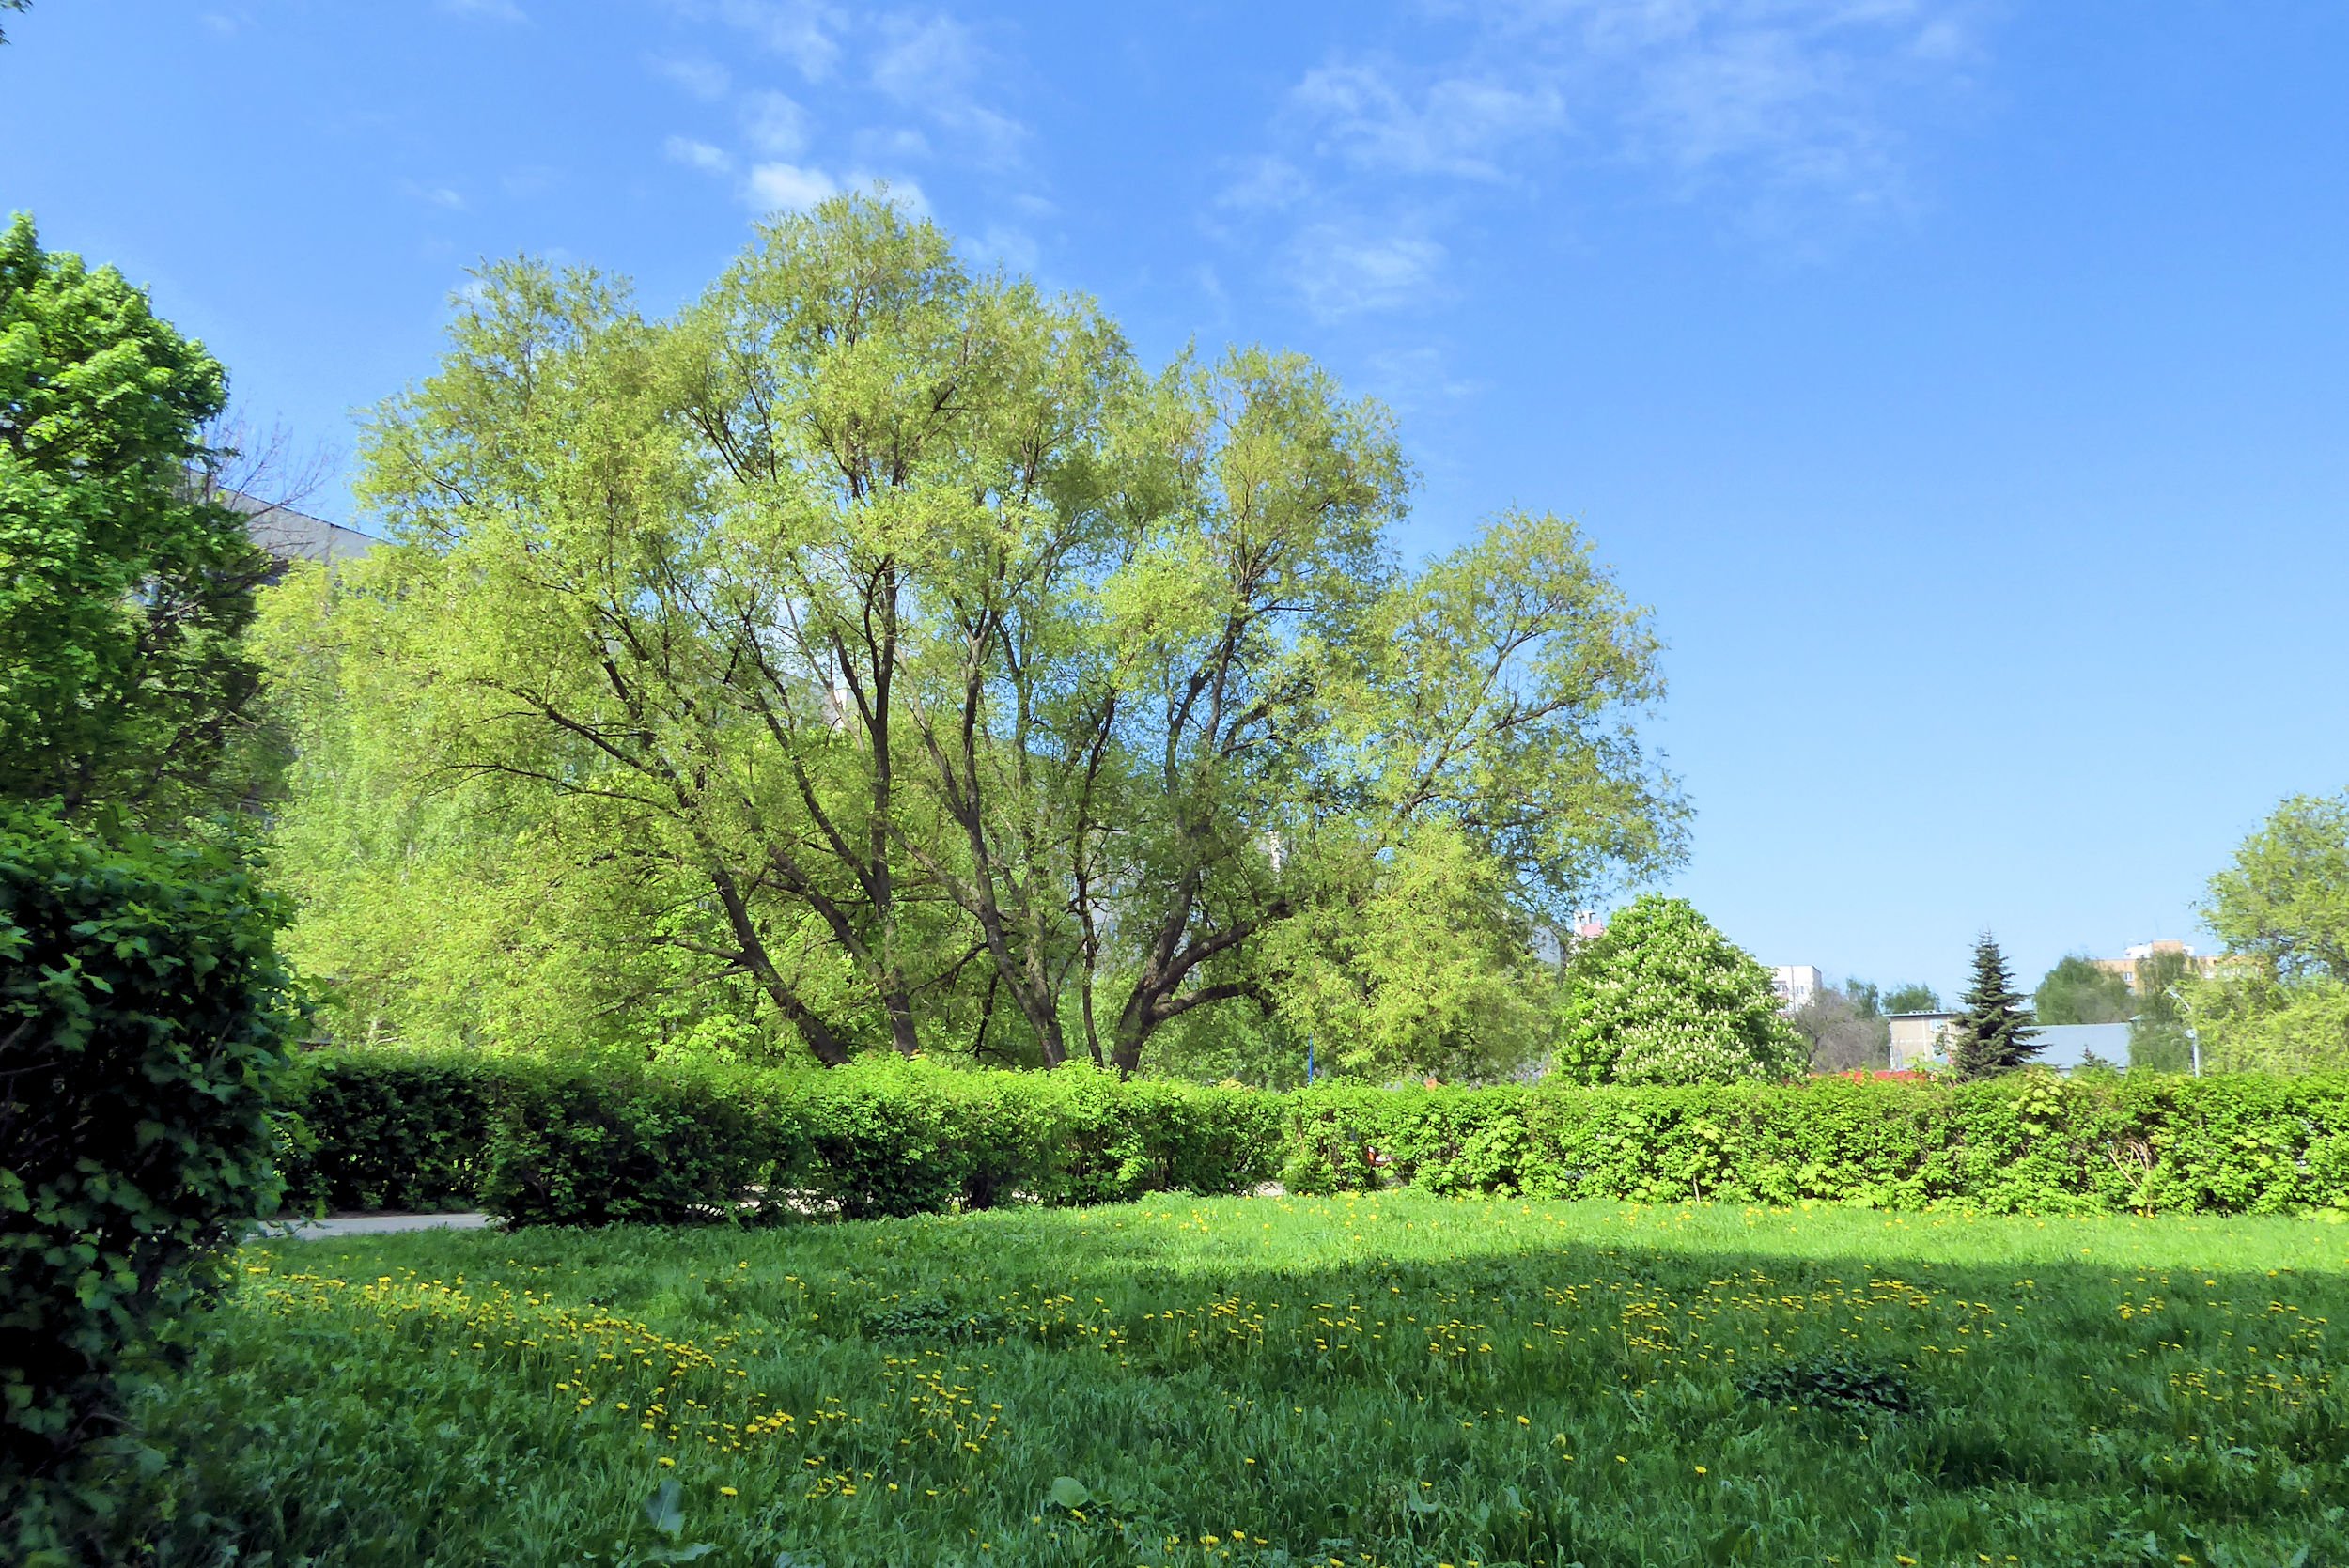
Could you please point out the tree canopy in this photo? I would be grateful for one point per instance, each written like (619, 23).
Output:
(2284, 903)
(878, 652)
(1662, 997)
(2076, 991)
(125, 587)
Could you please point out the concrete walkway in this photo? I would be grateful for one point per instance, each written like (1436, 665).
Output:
(373, 1224)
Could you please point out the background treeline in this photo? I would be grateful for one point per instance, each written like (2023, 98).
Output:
(550, 1142)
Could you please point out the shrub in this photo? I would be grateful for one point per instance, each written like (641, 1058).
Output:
(582, 1145)
(2029, 1141)
(145, 1024)
(387, 1129)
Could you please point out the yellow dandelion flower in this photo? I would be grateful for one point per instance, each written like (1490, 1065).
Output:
(667, 1462)
(728, 1491)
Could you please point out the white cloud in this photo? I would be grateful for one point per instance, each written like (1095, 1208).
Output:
(1339, 270)
(899, 143)
(1457, 125)
(436, 195)
(1013, 248)
(801, 31)
(932, 66)
(697, 155)
(776, 126)
(788, 186)
(705, 79)
(1265, 184)
(487, 10)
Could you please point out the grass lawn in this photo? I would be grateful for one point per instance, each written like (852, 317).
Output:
(1393, 1379)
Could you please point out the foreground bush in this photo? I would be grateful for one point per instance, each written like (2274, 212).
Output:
(144, 1023)
(545, 1145)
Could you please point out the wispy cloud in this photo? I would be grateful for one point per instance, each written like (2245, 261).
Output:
(803, 32)
(697, 155)
(485, 11)
(1341, 271)
(442, 197)
(1456, 125)
(1790, 116)
(775, 125)
(705, 79)
(932, 66)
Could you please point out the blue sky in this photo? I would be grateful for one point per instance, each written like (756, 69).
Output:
(1966, 385)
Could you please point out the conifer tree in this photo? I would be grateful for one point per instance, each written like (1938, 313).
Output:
(1993, 1033)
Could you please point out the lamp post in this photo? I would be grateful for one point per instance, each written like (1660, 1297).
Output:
(2193, 1038)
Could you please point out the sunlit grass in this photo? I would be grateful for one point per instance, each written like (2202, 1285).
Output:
(1391, 1379)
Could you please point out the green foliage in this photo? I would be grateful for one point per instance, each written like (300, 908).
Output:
(583, 1143)
(124, 591)
(2020, 1142)
(2285, 900)
(1993, 1035)
(1661, 997)
(144, 1027)
(573, 1145)
(876, 655)
(1836, 1380)
(1397, 1377)
(1422, 967)
(400, 1131)
(1913, 997)
(2076, 991)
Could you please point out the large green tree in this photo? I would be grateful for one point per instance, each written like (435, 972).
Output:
(1993, 1032)
(125, 585)
(1663, 997)
(886, 640)
(2282, 905)
(2076, 991)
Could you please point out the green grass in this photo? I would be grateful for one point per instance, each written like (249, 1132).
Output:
(1391, 1379)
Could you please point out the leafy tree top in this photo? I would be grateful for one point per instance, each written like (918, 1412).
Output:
(2076, 991)
(124, 592)
(885, 637)
(1662, 997)
(1993, 1033)
(2286, 897)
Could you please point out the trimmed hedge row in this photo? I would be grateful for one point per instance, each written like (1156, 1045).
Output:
(569, 1144)
(2026, 1143)
(542, 1144)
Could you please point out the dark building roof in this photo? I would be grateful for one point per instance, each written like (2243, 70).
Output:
(292, 535)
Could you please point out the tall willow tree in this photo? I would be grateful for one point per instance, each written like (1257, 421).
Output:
(883, 643)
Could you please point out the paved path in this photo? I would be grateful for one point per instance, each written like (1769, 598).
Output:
(377, 1224)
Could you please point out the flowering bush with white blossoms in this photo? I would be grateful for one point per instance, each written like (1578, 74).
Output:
(1662, 997)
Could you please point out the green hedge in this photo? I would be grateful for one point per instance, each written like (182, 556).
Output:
(2025, 1142)
(539, 1144)
(145, 1024)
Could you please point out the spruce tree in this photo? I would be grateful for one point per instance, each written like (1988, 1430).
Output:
(1994, 1035)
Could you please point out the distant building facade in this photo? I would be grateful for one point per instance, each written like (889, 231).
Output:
(2202, 966)
(1797, 983)
(1919, 1039)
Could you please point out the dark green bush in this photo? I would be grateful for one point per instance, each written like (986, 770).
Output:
(596, 1146)
(145, 1024)
(388, 1129)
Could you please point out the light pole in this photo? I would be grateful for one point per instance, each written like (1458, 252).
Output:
(2193, 1039)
